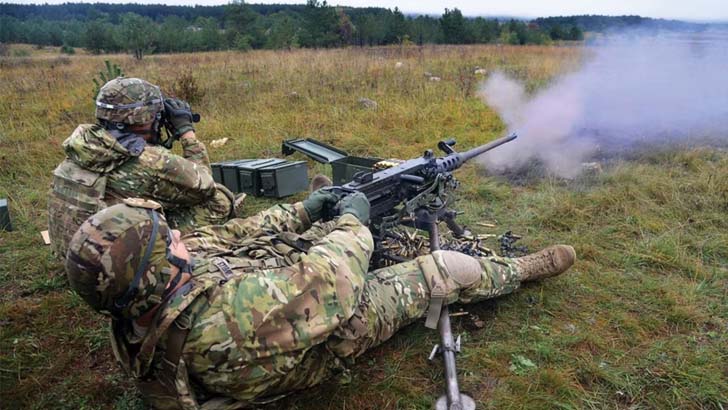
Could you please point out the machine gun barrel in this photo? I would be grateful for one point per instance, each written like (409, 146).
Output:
(487, 147)
(455, 160)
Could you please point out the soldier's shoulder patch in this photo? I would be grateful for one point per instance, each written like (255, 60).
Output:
(143, 203)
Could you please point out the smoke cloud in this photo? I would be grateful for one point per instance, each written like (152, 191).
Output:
(633, 90)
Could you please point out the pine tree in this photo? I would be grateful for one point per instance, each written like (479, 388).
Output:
(453, 26)
(137, 34)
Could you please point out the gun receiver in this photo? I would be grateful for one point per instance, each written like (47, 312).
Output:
(388, 188)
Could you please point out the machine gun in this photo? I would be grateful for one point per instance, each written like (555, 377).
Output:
(418, 193)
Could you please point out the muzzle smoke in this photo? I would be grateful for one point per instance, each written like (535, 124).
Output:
(634, 90)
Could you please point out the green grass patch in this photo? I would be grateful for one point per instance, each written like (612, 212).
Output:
(640, 322)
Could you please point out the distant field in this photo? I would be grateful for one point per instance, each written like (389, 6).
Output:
(640, 322)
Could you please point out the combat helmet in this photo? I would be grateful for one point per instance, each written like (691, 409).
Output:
(118, 261)
(129, 101)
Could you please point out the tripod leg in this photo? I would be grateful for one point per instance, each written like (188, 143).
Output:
(453, 400)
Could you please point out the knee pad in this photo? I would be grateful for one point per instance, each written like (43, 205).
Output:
(464, 269)
(448, 272)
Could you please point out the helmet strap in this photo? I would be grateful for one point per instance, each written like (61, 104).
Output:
(115, 126)
(133, 288)
(155, 131)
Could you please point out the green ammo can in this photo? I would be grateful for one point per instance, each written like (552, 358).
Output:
(283, 179)
(5, 224)
(249, 174)
(217, 171)
(229, 171)
(343, 170)
(343, 165)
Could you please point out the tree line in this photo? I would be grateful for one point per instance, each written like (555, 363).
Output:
(141, 29)
(596, 23)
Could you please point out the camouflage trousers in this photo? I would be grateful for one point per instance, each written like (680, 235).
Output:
(398, 295)
(215, 211)
(395, 296)
(389, 299)
(392, 298)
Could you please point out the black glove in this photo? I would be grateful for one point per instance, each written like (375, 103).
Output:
(356, 204)
(320, 203)
(178, 116)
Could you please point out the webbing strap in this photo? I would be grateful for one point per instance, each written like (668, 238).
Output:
(437, 300)
(133, 288)
(247, 265)
(438, 290)
(165, 379)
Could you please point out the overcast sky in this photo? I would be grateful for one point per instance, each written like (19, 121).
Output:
(674, 9)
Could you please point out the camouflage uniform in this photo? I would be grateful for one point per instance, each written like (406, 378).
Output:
(100, 171)
(264, 317)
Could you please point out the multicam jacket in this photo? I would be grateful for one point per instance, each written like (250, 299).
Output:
(255, 321)
(100, 172)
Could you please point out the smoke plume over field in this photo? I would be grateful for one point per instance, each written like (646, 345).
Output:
(633, 90)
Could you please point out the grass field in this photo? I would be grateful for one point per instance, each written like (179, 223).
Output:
(640, 322)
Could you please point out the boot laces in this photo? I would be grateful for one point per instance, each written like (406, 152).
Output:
(541, 261)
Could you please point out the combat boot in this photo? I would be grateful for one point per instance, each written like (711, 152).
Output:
(319, 181)
(546, 263)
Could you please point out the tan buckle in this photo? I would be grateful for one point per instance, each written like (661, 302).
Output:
(271, 263)
(437, 300)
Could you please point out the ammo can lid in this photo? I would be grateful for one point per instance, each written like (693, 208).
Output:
(259, 163)
(317, 150)
(282, 164)
(235, 163)
(230, 162)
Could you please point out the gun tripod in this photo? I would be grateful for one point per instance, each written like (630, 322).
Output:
(453, 399)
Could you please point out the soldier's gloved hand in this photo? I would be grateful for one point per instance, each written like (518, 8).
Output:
(356, 204)
(179, 116)
(319, 203)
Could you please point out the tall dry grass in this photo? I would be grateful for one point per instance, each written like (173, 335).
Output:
(640, 322)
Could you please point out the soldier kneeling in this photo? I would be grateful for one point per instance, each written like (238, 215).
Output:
(123, 156)
(252, 317)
